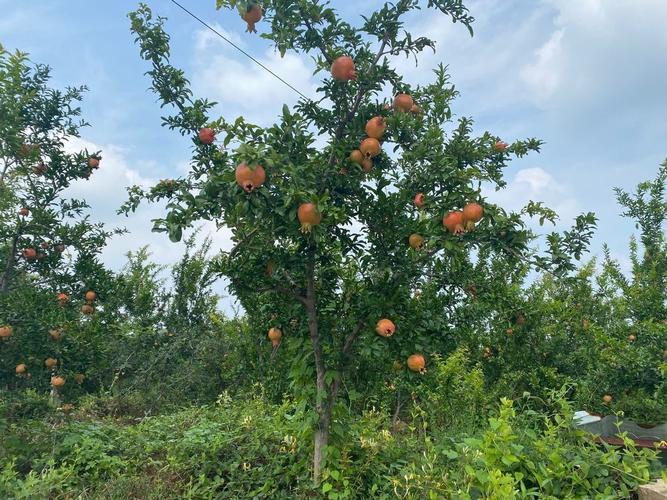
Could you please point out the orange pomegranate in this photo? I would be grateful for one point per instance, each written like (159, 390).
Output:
(24, 212)
(50, 362)
(91, 296)
(87, 309)
(343, 70)
(417, 363)
(416, 110)
(250, 178)
(472, 213)
(39, 169)
(367, 165)
(419, 200)
(453, 221)
(252, 15)
(6, 331)
(57, 381)
(385, 327)
(93, 162)
(416, 241)
(632, 338)
(308, 216)
(21, 369)
(63, 298)
(274, 336)
(356, 157)
(607, 398)
(56, 334)
(370, 147)
(206, 135)
(79, 378)
(501, 146)
(30, 253)
(376, 127)
(403, 102)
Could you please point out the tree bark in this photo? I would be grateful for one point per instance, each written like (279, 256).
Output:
(322, 406)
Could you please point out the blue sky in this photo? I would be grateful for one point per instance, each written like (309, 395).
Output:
(587, 77)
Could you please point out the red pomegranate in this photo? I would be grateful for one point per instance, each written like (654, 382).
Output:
(87, 309)
(367, 165)
(250, 177)
(252, 15)
(308, 217)
(93, 162)
(274, 336)
(416, 110)
(385, 327)
(472, 213)
(419, 200)
(206, 135)
(342, 69)
(356, 157)
(403, 102)
(91, 296)
(24, 212)
(30, 254)
(501, 146)
(376, 127)
(453, 221)
(417, 363)
(6, 331)
(63, 298)
(416, 241)
(370, 147)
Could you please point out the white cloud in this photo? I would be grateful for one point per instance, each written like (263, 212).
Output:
(242, 87)
(538, 185)
(541, 76)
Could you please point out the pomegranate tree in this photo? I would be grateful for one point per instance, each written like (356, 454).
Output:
(342, 193)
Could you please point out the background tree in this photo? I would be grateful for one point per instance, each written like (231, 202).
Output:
(330, 239)
(41, 231)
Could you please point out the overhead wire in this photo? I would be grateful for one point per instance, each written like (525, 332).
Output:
(204, 23)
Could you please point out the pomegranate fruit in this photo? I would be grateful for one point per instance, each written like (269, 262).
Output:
(370, 147)
(252, 15)
(607, 398)
(93, 162)
(416, 110)
(632, 338)
(376, 127)
(60, 248)
(472, 214)
(6, 331)
(487, 353)
(24, 212)
(79, 378)
(367, 165)
(356, 157)
(206, 135)
(501, 146)
(63, 298)
(30, 254)
(21, 369)
(416, 241)
(87, 309)
(57, 381)
(274, 336)
(56, 334)
(419, 200)
(250, 178)
(453, 221)
(44, 245)
(385, 328)
(308, 217)
(50, 362)
(403, 102)
(343, 70)
(417, 363)
(91, 296)
(39, 169)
